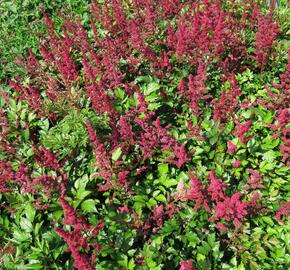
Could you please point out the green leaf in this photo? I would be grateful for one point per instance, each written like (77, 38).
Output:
(269, 143)
(23, 114)
(150, 88)
(34, 266)
(169, 182)
(169, 226)
(151, 203)
(266, 166)
(204, 249)
(57, 214)
(138, 207)
(270, 155)
(153, 106)
(200, 257)
(26, 225)
(30, 212)
(192, 239)
(13, 105)
(119, 93)
(89, 206)
(37, 227)
(140, 198)
(12, 116)
(163, 168)
(81, 183)
(241, 267)
(131, 264)
(81, 194)
(116, 154)
(268, 220)
(155, 193)
(30, 152)
(124, 261)
(21, 236)
(160, 198)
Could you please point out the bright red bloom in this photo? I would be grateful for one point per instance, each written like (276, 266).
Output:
(237, 164)
(75, 241)
(196, 88)
(231, 209)
(232, 148)
(186, 265)
(267, 32)
(255, 181)
(243, 128)
(216, 187)
(197, 193)
(284, 210)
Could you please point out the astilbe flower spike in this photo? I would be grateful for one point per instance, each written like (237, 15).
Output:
(237, 164)
(70, 213)
(6, 175)
(229, 100)
(232, 148)
(75, 240)
(197, 193)
(186, 265)
(242, 129)
(267, 32)
(284, 210)
(255, 181)
(196, 88)
(216, 187)
(231, 209)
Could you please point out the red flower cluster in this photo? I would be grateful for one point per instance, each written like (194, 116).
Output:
(284, 210)
(186, 265)
(267, 32)
(224, 209)
(178, 41)
(230, 209)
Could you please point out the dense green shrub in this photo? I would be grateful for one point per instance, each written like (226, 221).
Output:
(155, 138)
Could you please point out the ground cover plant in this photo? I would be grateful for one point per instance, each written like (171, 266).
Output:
(20, 23)
(154, 135)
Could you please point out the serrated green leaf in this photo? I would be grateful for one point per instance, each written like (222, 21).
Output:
(21, 236)
(170, 182)
(89, 206)
(150, 88)
(26, 224)
(163, 168)
(160, 198)
(116, 154)
(30, 212)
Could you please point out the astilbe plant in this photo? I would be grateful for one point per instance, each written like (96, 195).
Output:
(279, 103)
(267, 32)
(224, 210)
(109, 55)
(181, 43)
(229, 101)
